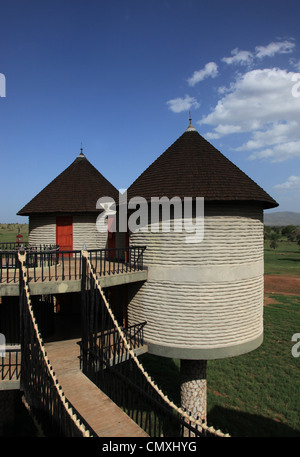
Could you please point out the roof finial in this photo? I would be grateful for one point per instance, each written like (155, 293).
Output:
(81, 151)
(190, 128)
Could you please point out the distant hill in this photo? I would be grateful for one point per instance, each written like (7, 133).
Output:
(282, 218)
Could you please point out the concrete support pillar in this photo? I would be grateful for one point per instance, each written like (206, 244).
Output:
(193, 387)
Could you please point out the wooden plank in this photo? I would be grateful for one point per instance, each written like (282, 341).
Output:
(99, 411)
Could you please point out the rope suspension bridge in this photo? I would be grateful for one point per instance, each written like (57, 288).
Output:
(108, 358)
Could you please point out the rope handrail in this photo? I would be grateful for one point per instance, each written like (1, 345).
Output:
(179, 410)
(81, 427)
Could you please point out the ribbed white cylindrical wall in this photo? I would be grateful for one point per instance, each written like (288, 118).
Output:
(85, 233)
(42, 230)
(203, 300)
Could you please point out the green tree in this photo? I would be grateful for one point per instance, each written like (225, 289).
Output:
(287, 230)
(267, 232)
(291, 232)
(276, 229)
(274, 237)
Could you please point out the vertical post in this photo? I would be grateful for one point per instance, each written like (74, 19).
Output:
(193, 387)
(83, 315)
(21, 317)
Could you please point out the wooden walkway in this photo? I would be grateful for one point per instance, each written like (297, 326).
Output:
(99, 411)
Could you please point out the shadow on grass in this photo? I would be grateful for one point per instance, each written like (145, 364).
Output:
(291, 260)
(242, 424)
(166, 373)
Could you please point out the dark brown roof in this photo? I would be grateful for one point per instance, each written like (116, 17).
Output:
(75, 190)
(192, 167)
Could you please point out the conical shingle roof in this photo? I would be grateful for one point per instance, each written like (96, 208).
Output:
(75, 190)
(192, 167)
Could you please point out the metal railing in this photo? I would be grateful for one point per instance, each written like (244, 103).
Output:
(10, 364)
(51, 264)
(110, 347)
(43, 393)
(117, 260)
(13, 245)
(37, 259)
(9, 266)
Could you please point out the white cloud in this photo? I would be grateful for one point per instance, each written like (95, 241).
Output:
(274, 134)
(279, 152)
(293, 182)
(247, 57)
(279, 47)
(177, 105)
(210, 70)
(260, 102)
(223, 129)
(263, 103)
(242, 57)
(255, 98)
(295, 63)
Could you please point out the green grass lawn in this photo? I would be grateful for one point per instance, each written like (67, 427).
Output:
(8, 232)
(256, 394)
(284, 260)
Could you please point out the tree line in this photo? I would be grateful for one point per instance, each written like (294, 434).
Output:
(274, 234)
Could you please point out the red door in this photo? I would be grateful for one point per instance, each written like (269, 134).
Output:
(64, 233)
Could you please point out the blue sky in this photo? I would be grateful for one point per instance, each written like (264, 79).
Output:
(121, 76)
